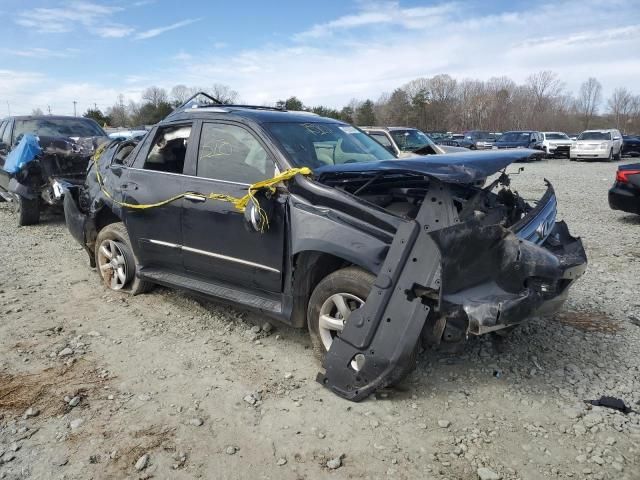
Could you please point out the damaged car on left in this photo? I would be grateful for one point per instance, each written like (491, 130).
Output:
(40, 157)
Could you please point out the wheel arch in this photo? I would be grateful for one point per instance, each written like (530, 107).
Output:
(309, 268)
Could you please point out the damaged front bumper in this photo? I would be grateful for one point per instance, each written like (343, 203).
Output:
(443, 280)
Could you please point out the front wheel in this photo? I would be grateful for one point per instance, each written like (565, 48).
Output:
(331, 304)
(610, 158)
(618, 156)
(115, 261)
(28, 211)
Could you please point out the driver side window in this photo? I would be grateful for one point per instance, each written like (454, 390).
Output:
(232, 153)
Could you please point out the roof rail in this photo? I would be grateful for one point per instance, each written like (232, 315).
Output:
(188, 102)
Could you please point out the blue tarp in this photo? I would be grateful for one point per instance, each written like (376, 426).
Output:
(25, 152)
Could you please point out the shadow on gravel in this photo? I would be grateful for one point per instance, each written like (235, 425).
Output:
(631, 219)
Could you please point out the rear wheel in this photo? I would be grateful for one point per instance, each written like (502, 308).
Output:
(115, 261)
(28, 211)
(618, 156)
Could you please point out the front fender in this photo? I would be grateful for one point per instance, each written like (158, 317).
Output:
(328, 231)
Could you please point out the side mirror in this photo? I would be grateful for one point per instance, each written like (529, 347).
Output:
(616, 138)
(259, 213)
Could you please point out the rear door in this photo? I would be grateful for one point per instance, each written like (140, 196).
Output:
(217, 244)
(156, 175)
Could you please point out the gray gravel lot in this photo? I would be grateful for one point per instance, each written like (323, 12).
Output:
(98, 385)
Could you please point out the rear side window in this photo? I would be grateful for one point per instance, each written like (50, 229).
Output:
(169, 149)
(232, 153)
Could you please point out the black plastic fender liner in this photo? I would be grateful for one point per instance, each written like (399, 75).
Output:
(377, 345)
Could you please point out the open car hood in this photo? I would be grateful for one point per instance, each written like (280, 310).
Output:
(464, 167)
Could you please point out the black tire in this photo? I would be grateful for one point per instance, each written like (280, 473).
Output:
(28, 211)
(115, 239)
(351, 280)
(618, 156)
(610, 159)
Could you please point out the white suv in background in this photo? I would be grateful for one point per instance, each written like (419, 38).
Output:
(594, 144)
(556, 143)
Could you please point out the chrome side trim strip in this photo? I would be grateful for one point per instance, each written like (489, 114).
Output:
(230, 259)
(214, 255)
(165, 244)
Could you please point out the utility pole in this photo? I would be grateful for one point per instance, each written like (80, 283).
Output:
(49, 109)
(95, 106)
(9, 107)
(74, 109)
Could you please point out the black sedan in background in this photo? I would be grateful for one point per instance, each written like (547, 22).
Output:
(625, 193)
(630, 145)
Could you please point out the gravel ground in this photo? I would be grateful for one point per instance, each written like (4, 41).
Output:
(98, 385)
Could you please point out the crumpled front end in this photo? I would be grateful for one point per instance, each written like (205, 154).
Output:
(45, 167)
(449, 275)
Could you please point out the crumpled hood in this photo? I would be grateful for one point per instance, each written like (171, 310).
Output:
(464, 167)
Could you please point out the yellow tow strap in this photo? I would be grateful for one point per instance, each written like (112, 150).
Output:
(240, 203)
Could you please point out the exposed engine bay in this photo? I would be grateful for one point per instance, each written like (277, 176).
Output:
(403, 196)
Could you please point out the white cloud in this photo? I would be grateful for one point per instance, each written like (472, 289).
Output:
(361, 56)
(383, 13)
(113, 31)
(393, 49)
(154, 32)
(37, 52)
(66, 18)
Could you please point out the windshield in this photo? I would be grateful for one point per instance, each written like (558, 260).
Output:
(410, 140)
(58, 127)
(556, 136)
(594, 136)
(515, 137)
(315, 145)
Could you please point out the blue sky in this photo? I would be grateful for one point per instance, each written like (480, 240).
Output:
(325, 52)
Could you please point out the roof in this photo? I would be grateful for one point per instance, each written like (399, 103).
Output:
(258, 114)
(47, 117)
(388, 129)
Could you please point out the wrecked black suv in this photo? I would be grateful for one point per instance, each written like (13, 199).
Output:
(312, 222)
(40, 156)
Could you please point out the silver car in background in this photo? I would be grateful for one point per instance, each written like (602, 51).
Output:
(597, 144)
(556, 143)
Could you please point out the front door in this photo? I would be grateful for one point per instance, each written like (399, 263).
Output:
(217, 245)
(156, 175)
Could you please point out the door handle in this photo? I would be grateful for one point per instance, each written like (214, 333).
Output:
(195, 198)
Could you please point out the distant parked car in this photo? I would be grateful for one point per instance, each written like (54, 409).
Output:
(597, 144)
(630, 145)
(521, 139)
(406, 142)
(625, 193)
(478, 140)
(40, 156)
(556, 143)
(453, 140)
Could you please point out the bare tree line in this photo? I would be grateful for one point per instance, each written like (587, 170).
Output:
(438, 103)
(442, 103)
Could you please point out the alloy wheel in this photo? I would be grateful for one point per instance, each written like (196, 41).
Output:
(113, 265)
(334, 313)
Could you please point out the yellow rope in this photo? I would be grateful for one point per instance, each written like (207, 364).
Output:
(240, 203)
